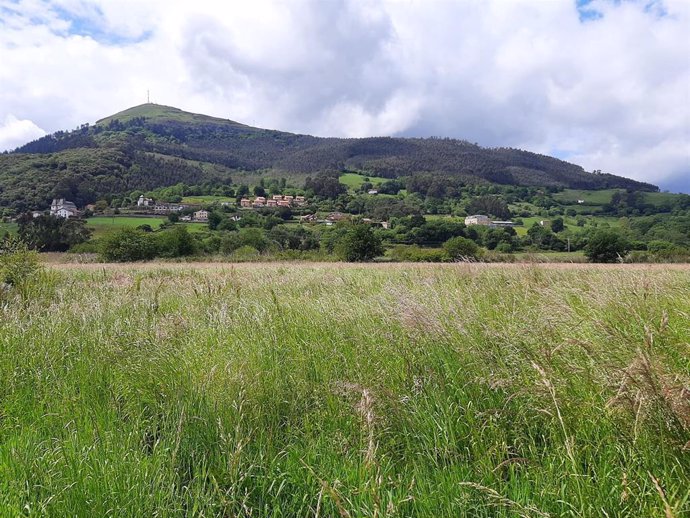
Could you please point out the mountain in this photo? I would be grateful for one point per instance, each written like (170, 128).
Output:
(151, 146)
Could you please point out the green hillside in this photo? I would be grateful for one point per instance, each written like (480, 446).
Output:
(152, 146)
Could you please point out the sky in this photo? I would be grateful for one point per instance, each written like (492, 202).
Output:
(601, 83)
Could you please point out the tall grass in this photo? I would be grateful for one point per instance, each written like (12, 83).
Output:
(331, 390)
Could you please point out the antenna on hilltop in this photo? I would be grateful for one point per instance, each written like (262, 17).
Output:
(148, 96)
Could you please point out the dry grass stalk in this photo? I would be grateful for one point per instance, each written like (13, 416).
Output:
(552, 391)
(668, 511)
(644, 383)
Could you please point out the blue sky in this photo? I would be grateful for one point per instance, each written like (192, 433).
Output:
(603, 83)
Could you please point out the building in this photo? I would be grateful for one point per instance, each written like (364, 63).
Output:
(580, 202)
(277, 197)
(309, 218)
(144, 202)
(245, 202)
(36, 214)
(300, 201)
(62, 208)
(259, 201)
(273, 202)
(477, 219)
(283, 203)
(372, 191)
(166, 208)
(336, 216)
(288, 199)
(201, 215)
(504, 224)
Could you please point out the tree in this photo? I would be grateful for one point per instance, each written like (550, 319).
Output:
(175, 242)
(460, 248)
(490, 205)
(606, 246)
(557, 225)
(52, 234)
(215, 218)
(359, 243)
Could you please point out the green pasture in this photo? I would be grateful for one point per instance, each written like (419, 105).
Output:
(353, 180)
(339, 390)
(101, 225)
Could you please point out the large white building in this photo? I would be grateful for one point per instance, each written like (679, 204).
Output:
(477, 219)
(63, 209)
(144, 202)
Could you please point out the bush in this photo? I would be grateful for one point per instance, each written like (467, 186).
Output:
(245, 253)
(176, 242)
(359, 243)
(128, 244)
(606, 246)
(461, 248)
(18, 264)
(416, 254)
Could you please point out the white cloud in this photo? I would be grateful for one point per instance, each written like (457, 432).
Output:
(609, 93)
(15, 132)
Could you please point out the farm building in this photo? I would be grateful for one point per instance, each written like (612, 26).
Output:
(477, 219)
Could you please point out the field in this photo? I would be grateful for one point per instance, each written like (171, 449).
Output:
(206, 200)
(344, 390)
(101, 225)
(600, 197)
(354, 180)
(8, 227)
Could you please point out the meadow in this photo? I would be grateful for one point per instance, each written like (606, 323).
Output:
(346, 390)
(101, 225)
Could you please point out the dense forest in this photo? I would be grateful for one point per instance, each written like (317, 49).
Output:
(153, 146)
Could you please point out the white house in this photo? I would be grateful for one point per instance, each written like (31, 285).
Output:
(63, 209)
(144, 202)
(201, 215)
(477, 219)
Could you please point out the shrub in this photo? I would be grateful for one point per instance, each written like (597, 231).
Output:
(359, 243)
(416, 254)
(176, 242)
(245, 253)
(461, 248)
(18, 264)
(606, 246)
(128, 244)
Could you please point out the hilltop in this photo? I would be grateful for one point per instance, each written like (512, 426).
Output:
(152, 146)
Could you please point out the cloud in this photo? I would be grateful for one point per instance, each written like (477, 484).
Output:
(15, 132)
(602, 83)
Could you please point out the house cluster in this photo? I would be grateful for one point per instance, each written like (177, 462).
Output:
(480, 219)
(277, 200)
(167, 208)
(199, 215)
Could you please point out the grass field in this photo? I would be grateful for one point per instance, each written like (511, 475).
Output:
(206, 200)
(101, 225)
(354, 180)
(8, 227)
(342, 390)
(600, 197)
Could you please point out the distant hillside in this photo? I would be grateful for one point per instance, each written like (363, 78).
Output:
(151, 146)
